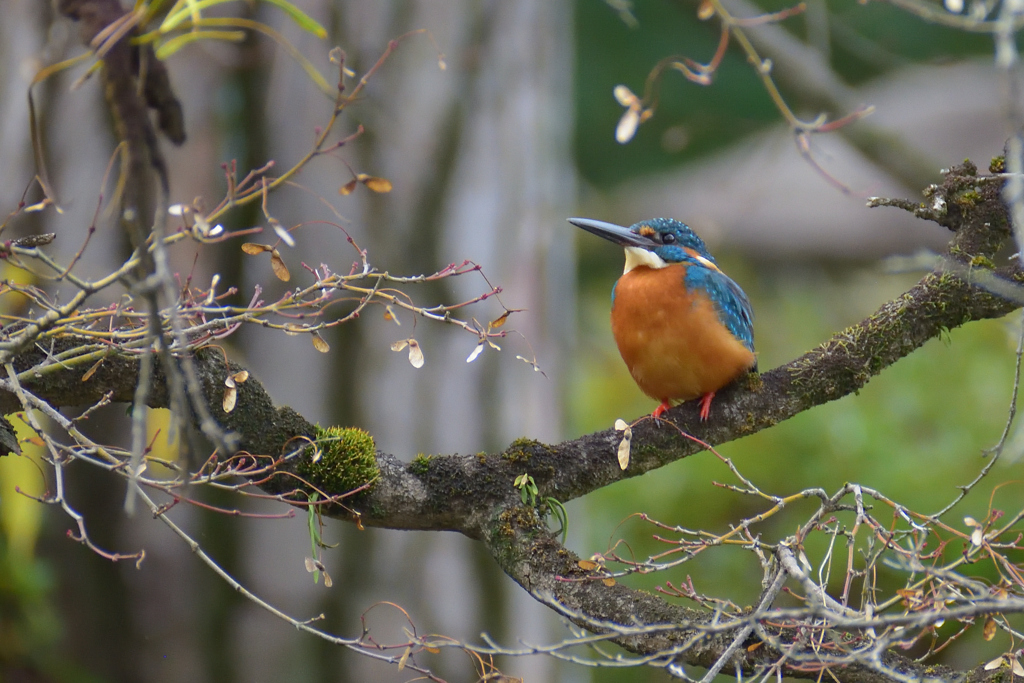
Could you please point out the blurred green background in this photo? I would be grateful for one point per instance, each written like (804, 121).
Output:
(914, 433)
(864, 41)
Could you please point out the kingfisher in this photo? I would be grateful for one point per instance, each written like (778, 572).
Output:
(684, 328)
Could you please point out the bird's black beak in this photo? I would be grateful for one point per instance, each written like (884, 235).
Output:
(614, 233)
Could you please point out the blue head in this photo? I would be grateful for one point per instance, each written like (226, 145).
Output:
(668, 239)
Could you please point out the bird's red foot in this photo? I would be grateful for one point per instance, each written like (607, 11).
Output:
(661, 410)
(705, 406)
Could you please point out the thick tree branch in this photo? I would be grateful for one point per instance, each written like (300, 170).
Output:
(473, 494)
(528, 552)
(458, 492)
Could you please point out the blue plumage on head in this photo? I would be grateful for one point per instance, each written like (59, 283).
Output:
(673, 249)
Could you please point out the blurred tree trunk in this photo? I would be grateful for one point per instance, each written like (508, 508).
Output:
(479, 155)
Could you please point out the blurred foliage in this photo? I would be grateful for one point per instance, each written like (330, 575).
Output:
(915, 432)
(864, 41)
(29, 626)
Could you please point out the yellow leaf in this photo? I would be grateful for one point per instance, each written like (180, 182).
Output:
(92, 371)
(382, 185)
(278, 266)
(495, 324)
(587, 565)
(252, 248)
(240, 377)
(911, 597)
(627, 438)
(989, 631)
(320, 344)
(608, 582)
(348, 187)
(404, 658)
(623, 453)
(625, 96)
(230, 396)
(433, 650)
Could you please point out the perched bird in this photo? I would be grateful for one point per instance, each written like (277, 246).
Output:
(684, 328)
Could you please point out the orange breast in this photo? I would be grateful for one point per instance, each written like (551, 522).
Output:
(672, 340)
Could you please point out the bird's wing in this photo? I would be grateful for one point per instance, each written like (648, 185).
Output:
(730, 301)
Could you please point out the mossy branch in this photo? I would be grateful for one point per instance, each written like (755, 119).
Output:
(474, 494)
(460, 491)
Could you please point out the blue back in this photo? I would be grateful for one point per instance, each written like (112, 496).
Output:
(731, 302)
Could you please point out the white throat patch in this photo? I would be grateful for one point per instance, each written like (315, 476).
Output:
(635, 256)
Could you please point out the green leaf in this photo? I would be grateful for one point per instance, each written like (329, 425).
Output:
(192, 9)
(314, 536)
(178, 42)
(558, 511)
(306, 65)
(301, 18)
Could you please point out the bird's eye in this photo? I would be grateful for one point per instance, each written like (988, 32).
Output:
(668, 238)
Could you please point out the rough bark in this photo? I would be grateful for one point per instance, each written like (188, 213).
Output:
(474, 494)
